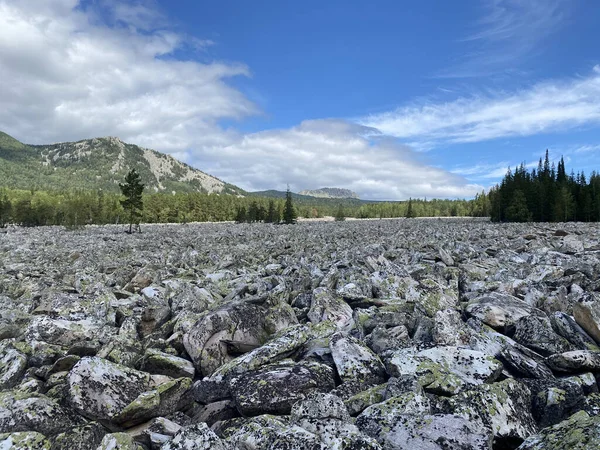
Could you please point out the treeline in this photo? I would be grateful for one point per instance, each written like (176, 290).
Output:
(546, 194)
(77, 208)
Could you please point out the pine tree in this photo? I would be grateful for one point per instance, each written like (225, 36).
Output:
(133, 204)
(517, 211)
(410, 212)
(272, 213)
(240, 215)
(289, 213)
(339, 215)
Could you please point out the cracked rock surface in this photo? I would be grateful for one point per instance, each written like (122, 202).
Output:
(382, 334)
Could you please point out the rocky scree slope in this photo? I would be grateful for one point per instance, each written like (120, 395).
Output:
(390, 334)
(99, 163)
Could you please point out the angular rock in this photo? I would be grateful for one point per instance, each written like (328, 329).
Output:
(435, 432)
(100, 390)
(575, 361)
(24, 440)
(587, 316)
(327, 306)
(537, 334)
(33, 412)
(354, 361)
(275, 388)
(445, 370)
(84, 436)
(195, 437)
(270, 433)
(164, 400)
(500, 310)
(12, 367)
(155, 361)
(239, 322)
(503, 407)
(119, 441)
(580, 431)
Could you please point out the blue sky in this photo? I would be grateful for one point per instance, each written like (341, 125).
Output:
(390, 99)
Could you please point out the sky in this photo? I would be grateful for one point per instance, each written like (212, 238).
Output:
(389, 99)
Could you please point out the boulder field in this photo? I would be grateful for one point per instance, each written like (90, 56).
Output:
(419, 334)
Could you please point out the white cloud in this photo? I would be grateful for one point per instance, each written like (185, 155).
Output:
(67, 77)
(331, 152)
(68, 74)
(543, 108)
(507, 32)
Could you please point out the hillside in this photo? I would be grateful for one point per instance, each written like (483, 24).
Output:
(330, 193)
(99, 163)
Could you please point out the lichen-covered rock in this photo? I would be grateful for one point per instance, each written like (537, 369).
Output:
(503, 407)
(319, 405)
(119, 441)
(587, 315)
(500, 310)
(239, 322)
(556, 399)
(154, 433)
(33, 412)
(328, 306)
(435, 432)
(100, 390)
(575, 361)
(81, 437)
(280, 347)
(537, 334)
(523, 363)
(445, 370)
(578, 432)
(378, 419)
(12, 367)
(275, 388)
(195, 437)
(270, 433)
(568, 328)
(354, 361)
(158, 362)
(24, 440)
(359, 402)
(65, 332)
(164, 400)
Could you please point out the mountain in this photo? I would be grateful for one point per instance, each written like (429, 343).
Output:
(99, 163)
(330, 193)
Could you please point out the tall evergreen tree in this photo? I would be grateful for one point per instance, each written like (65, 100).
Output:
(410, 212)
(133, 204)
(272, 213)
(289, 213)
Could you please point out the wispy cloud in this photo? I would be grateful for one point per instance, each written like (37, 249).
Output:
(507, 32)
(543, 108)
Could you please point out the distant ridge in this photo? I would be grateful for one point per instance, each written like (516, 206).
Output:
(330, 193)
(99, 163)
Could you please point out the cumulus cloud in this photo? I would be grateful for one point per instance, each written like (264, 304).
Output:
(338, 153)
(67, 77)
(72, 71)
(543, 108)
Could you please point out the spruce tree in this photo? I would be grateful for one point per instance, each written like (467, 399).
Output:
(133, 204)
(272, 213)
(410, 212)
(339, 215)
(289, 213)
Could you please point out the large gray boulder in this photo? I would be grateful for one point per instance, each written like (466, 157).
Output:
(275, 388)
(578, 432)
(445, 370)
(354, 361)
(34, 412)
(99, 389)
(195, 437)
